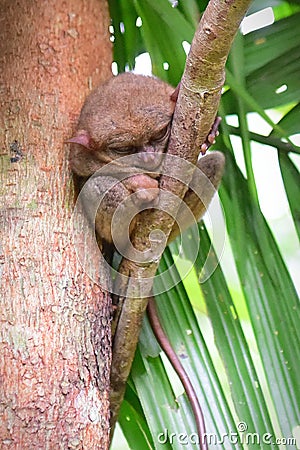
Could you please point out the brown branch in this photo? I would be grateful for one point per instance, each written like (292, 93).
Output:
(195, 111)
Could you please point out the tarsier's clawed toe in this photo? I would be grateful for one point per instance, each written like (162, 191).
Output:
(211, 137)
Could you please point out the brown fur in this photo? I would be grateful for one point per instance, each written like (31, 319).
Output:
(127, 112)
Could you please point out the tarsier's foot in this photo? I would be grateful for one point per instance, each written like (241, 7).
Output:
(211, 137)
(204, 184)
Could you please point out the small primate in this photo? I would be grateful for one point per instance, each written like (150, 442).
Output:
(128, 115)
(131, 115)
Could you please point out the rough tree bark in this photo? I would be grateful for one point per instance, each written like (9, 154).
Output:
(55, 331)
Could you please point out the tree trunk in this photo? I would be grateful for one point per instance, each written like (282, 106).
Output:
(55, 322)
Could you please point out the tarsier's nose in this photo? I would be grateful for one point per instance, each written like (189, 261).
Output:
(150, 157)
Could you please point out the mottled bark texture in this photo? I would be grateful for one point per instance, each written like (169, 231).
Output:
(55, 345)
(196, 108)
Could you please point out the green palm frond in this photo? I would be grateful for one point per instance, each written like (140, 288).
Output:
(238, 340)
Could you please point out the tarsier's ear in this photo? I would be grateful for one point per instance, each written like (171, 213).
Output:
(82, 137)
(174, 95)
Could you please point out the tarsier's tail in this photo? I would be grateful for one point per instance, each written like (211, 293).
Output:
(183, 376)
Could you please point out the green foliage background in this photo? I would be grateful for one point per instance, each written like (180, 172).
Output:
(240, 346)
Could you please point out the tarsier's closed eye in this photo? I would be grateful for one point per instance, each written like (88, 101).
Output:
(123, 150)
(162, 134)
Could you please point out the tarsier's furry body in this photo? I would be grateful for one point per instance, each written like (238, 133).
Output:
(131, 115)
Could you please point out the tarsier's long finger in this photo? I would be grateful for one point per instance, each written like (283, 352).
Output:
(211, 137)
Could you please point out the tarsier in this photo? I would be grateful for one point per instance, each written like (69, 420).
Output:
(131, 115)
